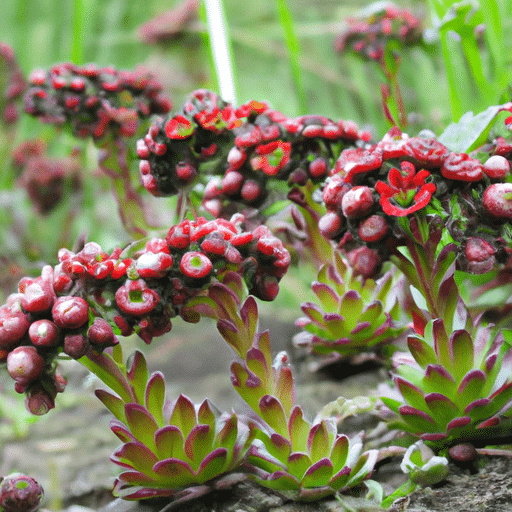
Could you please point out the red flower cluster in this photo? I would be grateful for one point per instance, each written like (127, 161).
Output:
(369, 35)
(362, 180)
(46, 179)
(243, 148)
(12, 84)
(94, 100)
(91, 296)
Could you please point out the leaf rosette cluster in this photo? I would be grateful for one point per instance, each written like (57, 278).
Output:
(170, 447)
(354, 315)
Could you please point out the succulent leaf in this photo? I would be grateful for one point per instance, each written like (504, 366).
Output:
(141, 424)
(154, 398)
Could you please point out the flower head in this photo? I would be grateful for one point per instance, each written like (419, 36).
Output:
(407, 189)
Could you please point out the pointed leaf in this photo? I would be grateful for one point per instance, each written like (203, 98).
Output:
(257, 363)
(422, 352)
(279, 447)
(471, 386)
(169, 442)
(438, 380)
(418, 419)
(298, 464)
(313, 312)
(412, 394)
(121, 431)
(338, 481)
(135, 455)
(271, 410)
(142, 425)
(281, 480)
(155, 397)
(136, 478)
(364, 468)
(328, 297)
(461, 351)
(298, 430)
(441, 346)
(212, 465)
(319, 441)
(114, 404)
(107, 370)
(441, 408)
(228, 435)
(199, 444)
(283, 382)
(318, 474)
(183, 415)
(351, 308)
(175, 473)
(457, 423)
(371, 312)
(138, 375)
(207, 413)
(339, 452)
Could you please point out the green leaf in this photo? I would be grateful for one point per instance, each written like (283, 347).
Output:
(183, 415)
(298, 464)
(318, 474)
(155, 397)
(138, 375)
(199, 444)
(319, 441)
(471, 131)
(462, 353)
(169, 443)
(114, 404)
(298, 430)
(142, 425)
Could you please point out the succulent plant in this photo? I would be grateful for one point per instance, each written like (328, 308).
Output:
(355, 315)
(170, 447)
(302, 460)
(456, 387)
(423, 466)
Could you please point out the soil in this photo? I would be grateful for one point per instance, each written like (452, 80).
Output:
(68, 450)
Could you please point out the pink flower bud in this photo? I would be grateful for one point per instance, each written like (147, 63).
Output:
(44, 333)
(38, 401)
(101, 333)
(136, 298)
(373, 228)
(70, 312)
(195, 264)
(357, 202)
(20, 493)
(76, 345)
(13, 326)
(497, 200)
(25, 364)
(496, 167)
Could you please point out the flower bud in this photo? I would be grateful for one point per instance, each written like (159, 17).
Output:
(70, 312)
(25, 364)
(357, 202)
(20, 493)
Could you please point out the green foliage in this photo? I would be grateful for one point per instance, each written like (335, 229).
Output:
(168, 446)
(354, 315)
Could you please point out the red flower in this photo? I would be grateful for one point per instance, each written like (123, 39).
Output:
(408, 190)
